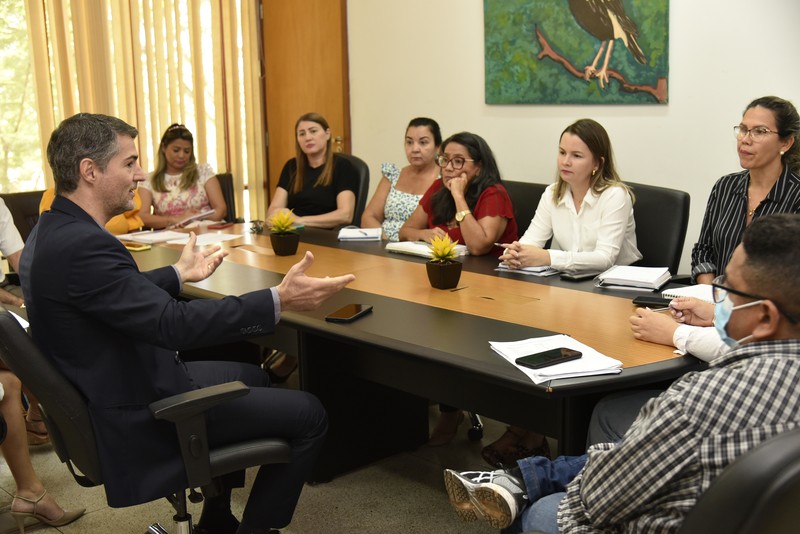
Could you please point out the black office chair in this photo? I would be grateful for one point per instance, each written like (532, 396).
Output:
(226, 184)
(66, 416)
(24, 208)
(758, 492)
(662, 216)
(363, 186)
(525, 197)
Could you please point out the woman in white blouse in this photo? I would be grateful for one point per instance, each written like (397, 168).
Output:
(588, 212)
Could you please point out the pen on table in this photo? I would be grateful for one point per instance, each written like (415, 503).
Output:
(362, 232)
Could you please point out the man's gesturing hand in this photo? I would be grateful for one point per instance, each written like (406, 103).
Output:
(299, 292)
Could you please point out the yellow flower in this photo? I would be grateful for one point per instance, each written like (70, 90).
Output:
(443, 249)
(282, 222)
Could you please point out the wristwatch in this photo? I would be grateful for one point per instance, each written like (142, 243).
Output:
(461, 214)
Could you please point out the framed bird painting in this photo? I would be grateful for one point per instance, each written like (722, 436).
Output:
(576, 51)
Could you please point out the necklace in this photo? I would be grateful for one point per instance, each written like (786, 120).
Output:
(751, 211)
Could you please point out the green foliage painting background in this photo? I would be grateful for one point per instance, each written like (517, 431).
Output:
(514, 75)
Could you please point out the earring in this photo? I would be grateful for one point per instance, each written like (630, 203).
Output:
(782, 152)
(594, 171)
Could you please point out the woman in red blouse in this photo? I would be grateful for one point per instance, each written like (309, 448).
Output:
(469, 203)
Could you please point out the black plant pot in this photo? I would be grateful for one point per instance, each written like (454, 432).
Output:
(284, 244)
(444, 275)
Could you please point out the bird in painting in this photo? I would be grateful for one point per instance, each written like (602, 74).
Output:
(606, 20)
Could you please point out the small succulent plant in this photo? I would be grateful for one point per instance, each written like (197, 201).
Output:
(282, 222)
(443, 250)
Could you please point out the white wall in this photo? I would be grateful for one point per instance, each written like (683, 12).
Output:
(413, 58)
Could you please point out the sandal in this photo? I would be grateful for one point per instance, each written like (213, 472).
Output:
(66, 517)
(36, 437)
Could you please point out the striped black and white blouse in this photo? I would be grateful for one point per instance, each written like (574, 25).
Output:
(726, 217)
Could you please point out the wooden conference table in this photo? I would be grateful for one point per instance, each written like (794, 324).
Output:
(375, 376)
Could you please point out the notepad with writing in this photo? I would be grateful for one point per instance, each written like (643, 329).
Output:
(635, 277)
(420, 248)
(352, 233)
(699, 291)
(590, 363)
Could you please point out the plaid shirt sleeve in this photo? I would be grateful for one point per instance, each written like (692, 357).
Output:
(621, 481)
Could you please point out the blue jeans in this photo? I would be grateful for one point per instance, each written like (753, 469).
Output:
(545, 483)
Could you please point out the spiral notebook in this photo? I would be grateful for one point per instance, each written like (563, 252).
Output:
(698, 291)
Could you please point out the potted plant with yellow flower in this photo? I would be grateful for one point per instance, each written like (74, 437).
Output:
(282, 233)
(444, 271)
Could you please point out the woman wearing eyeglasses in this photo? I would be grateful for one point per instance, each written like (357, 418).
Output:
(179, 187)
(400, 190)
(588, 211)
(769, 151)
(469, 203)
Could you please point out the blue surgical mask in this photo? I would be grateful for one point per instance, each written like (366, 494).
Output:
(722, 314)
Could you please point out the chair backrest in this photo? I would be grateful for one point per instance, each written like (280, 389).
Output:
(662, 216)
(64, 409)
(226, 184)
(24, 208)
(363, 186)
(525, 198)
(758, 492)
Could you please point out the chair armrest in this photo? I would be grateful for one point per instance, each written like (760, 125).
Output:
(185, 405)
(188, 412)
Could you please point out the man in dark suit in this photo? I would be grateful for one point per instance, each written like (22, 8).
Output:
(115, 332)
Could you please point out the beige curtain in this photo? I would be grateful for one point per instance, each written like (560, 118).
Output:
(153, 63)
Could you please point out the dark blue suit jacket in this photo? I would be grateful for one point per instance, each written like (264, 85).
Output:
(114, 332)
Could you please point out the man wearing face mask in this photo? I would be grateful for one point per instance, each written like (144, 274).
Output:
(682, 439)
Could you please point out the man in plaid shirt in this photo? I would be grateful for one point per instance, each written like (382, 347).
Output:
(684, 438)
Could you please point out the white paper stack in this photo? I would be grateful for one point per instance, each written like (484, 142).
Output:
(351, 233)
(630, 277)
(544, 270)
(420, 248)
(591, 363)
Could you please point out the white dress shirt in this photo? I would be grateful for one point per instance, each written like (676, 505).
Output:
(10, 240)
(602, 234)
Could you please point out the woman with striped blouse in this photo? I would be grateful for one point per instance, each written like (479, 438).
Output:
(768, 143)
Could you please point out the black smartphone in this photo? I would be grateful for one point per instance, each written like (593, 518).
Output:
(349, 313)
(577, 277)
(548, 358)
(651, 302)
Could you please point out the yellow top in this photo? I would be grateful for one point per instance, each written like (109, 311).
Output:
(119, 224)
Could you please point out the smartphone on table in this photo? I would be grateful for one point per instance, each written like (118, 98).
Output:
(548, 358)
(349, 313)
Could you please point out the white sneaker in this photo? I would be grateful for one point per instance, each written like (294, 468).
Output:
(496, 496)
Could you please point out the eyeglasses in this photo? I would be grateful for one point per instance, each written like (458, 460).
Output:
(458, 162)
(756, 134)
(719, 292)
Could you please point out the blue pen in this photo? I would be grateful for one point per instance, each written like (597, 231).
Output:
(362, 232)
